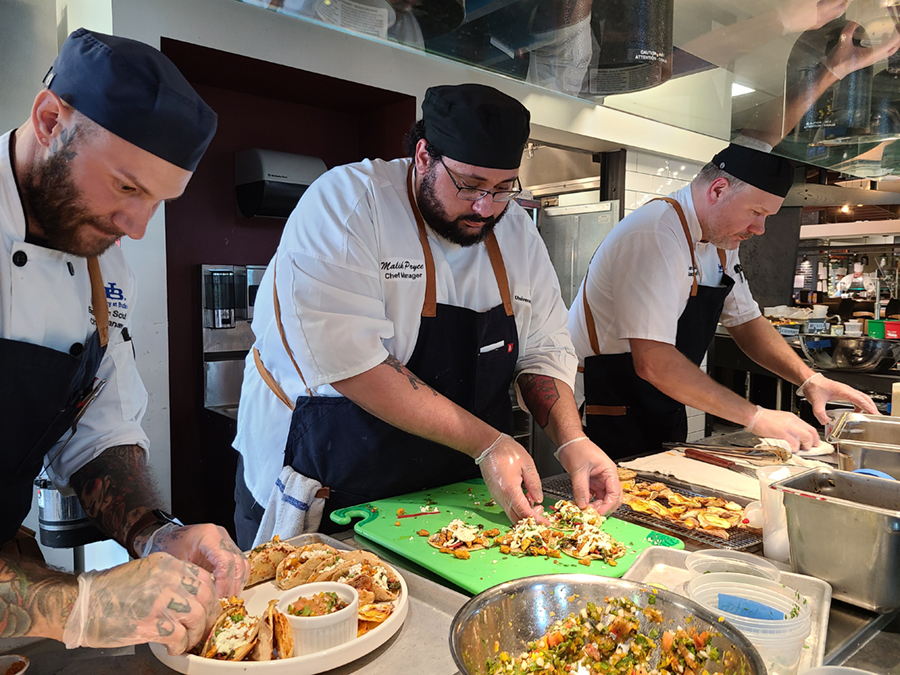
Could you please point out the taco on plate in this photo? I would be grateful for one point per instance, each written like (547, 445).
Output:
(275, 639)
(234, 634)
(299, 567)
(264, 559)
(359, 564)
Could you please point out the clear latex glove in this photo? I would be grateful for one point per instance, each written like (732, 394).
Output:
(595, 480)
(784, 425)
(505, 466)
(819, 390)
(847, 57)
(154, 599)
(210, 547)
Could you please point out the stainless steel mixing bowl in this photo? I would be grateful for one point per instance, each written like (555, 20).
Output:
(842, 352)
(517, 612)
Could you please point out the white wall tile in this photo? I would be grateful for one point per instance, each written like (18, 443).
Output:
(697, 424)
(694, 437)
(639, 182)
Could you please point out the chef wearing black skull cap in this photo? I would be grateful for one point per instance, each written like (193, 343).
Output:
(652, 297)
(404, 299)
(115, 132)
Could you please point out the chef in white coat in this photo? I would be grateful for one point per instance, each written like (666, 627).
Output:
(404, 299)
(654, 292)
(115, 132)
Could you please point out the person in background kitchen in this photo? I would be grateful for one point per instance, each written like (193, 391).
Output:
(648, 308)
(856, 284)
(116, 131)
(404, 299)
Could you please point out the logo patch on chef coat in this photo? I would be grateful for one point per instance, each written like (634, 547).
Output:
(402, 269)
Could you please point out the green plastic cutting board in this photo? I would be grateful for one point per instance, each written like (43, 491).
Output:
(488, 567)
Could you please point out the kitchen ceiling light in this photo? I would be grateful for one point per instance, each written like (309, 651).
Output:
(740, 90)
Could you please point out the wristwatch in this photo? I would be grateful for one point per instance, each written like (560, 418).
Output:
(152, 517)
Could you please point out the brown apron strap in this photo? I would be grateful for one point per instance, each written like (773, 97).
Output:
(284, 341)
(687, 234)
(722, 258)
(429, 307)
(608, 410)
(98, 300)
(270, 380)
(589, 316)
(499, 268)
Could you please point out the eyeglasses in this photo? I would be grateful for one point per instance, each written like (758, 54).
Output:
(474, 194)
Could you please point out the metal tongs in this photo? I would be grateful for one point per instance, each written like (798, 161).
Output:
(766, 455)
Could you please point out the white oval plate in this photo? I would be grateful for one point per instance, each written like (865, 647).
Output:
(256, 600)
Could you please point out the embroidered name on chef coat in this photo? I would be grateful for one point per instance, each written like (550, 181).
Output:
(401, 269)
(117, 303)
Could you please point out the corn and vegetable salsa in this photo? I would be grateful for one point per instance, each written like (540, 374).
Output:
(607, 640)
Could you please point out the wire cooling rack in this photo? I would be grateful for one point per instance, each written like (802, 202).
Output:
(738, 540)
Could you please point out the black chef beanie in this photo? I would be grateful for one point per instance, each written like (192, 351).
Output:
(770, 173)
(133, 91)
(476, 125)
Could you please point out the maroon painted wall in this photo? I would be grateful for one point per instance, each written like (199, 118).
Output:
(266, 106)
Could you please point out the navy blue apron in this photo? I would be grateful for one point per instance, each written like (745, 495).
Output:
(361, 458)
(40, 393)
(627, 415)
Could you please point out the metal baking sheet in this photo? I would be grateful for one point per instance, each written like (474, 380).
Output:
(422, 643)
(743, 540)
(666, 567)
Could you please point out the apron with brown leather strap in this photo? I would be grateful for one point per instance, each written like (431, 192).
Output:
(40, 392)
(468, 356)
(627, 415)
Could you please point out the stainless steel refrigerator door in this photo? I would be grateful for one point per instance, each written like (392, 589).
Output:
(572, 234)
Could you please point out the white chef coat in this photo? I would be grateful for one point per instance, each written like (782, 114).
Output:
(351, 283)
(846, 282)
(47, 302)
(639, 280)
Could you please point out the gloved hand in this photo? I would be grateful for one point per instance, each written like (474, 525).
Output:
(593, 474)
(819, 390)
(210, 547)
(505, 465)
(154, 599)
(846, 57)
(784, 425)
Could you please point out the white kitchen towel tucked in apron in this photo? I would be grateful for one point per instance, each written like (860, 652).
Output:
(293, 507)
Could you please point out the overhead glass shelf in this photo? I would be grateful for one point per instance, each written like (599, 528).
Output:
(814, 80)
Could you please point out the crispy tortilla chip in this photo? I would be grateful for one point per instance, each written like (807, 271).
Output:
(356, 563)
(376, 613)
(459, 535)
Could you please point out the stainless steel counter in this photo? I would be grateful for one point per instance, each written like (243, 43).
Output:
(855, 637)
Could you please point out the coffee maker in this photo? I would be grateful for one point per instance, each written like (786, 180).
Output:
(228, 293)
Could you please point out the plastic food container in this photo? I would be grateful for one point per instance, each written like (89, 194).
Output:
(836, 670)
(779, 641)
(318, 633)
(713, 561)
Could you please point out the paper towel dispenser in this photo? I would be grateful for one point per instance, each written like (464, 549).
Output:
(270, 183)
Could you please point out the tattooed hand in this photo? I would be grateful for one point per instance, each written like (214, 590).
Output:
(210, 547)
(155, 599)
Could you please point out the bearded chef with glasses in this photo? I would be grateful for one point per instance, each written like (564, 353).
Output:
(404, 299)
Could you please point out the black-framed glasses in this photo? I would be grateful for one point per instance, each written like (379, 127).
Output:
(474, 194)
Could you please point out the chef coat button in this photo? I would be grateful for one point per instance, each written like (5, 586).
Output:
(76, 349)
(20, 258)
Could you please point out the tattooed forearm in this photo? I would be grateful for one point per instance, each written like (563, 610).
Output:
(34, 600)
(394, 363)
(116, 489)
(540, 394)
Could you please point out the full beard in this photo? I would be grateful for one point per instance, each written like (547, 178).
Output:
(453, 230)
(52, 201)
